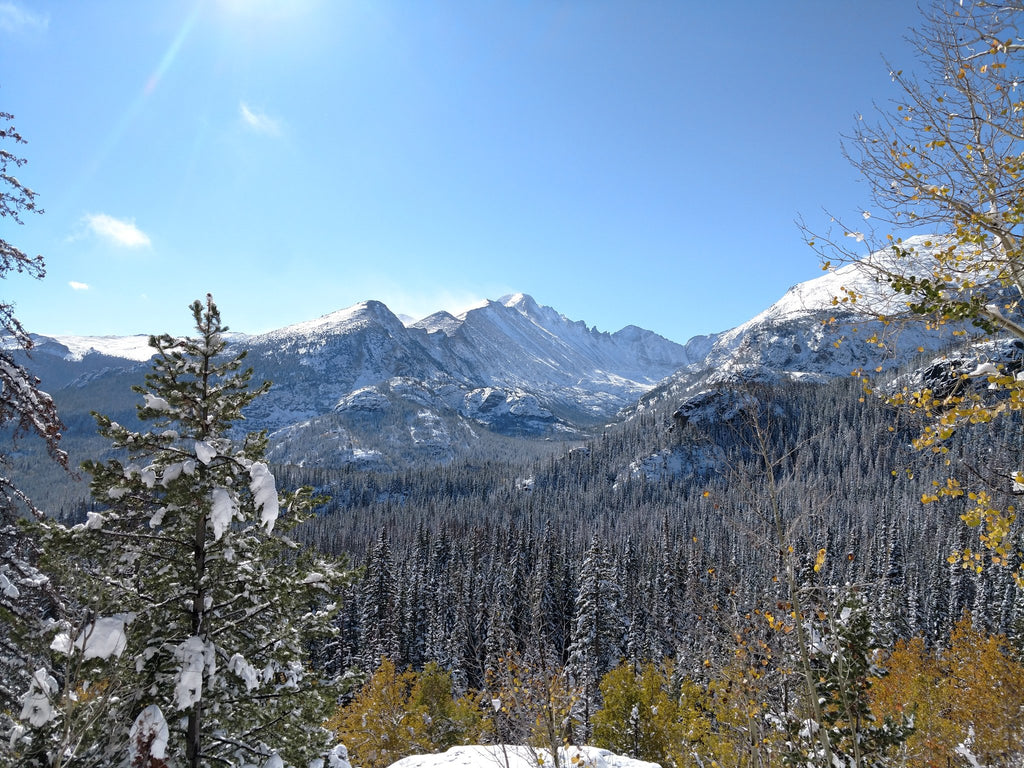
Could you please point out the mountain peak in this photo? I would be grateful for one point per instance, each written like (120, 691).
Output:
(439, 321)
(518, 300)
(341, 320)
(525, 304)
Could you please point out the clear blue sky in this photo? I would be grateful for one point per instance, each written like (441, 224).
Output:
(628, 162)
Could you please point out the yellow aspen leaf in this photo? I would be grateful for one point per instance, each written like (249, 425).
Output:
(819, 560)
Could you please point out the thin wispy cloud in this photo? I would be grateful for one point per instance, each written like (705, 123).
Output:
(14, 19)
(77, 286)
(117, 231)
(259, 121)
(418, 305)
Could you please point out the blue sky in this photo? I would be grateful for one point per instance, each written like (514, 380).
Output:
(629, 162)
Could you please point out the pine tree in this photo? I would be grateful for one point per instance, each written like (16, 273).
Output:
(598, 629)
(379, 599)
(25, 594)
(197, 608)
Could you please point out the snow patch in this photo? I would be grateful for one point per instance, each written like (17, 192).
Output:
(261, 483)
(155, 403)
(100, 639)
(128, 347)
(36, 705)
(246, 671)
(8, 588)
(510, 756)
(205, 452)
(148, 736)
(194, 661)
(222, 512)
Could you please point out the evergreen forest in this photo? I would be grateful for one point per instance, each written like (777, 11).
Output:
(750, 567)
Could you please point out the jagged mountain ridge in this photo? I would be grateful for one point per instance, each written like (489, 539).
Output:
(359, 386)
(807, 335)
(511, 348)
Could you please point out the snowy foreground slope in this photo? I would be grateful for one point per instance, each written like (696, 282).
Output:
(497, 756)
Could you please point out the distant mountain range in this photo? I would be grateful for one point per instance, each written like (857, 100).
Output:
(360, 387)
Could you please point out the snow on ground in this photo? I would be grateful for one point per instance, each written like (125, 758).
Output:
(497, 756)
(128, 347)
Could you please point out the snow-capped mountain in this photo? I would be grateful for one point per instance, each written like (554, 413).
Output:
(512, 358)
(808, 335)
(806, 331)
(360, 386)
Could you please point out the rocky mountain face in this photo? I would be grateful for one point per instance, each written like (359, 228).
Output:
(809, 336)
(806, 336)
(360, 387)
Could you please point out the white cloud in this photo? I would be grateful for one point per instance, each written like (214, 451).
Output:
(14, 18)
(417, 305)
(77, 286)
(259, 121)
(117, 231)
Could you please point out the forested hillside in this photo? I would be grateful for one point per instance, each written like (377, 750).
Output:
(793, 543)
(464, 560)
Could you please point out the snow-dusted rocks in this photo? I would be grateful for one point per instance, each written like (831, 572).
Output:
(510, 367)
(511, 756)
(363, 361)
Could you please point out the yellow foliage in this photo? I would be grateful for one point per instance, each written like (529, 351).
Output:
(400, 714)
(973, 692)
(645, 716)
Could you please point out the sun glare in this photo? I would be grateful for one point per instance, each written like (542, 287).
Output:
(262, 11)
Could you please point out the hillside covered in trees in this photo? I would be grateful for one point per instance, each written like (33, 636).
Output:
(799, 549)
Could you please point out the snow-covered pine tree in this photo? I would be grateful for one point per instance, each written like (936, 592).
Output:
(596, 643)
(196, 605)
(25, 596)
(379, 599)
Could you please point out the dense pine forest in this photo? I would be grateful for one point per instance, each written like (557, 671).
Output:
(493, 557)
(752, 566)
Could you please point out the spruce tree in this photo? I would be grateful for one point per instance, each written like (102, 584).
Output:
(26, 598)
(197, 608)
(598, 629)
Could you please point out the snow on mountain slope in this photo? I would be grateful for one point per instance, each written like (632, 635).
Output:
(361, 386)
(134, 348)
(510, 756)
(514, 342)
(313, 333)
(127, 347)
(804, 332)
(805, 336)
(510, 365)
